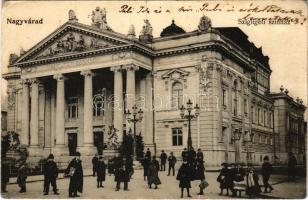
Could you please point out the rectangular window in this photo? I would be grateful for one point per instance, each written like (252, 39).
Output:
(260, 139)
(270, 120)
(262, 117)
(265, 118)
(177, 137)
(224, 98)
(259, 116)
(252, 109)
(245, 107)
(99, 103)
(72, 105)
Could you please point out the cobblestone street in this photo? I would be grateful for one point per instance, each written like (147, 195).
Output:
(138, 188)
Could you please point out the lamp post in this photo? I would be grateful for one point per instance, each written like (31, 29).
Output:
(247, 140)
(189, 116)
(134, 117)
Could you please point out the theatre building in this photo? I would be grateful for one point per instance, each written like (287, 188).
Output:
(70, 91)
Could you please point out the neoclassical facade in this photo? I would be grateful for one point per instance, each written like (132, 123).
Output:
(70, 88)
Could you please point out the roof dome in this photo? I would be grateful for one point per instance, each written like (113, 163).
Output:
(172, 29)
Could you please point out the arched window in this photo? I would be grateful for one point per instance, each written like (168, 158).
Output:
(177, 95)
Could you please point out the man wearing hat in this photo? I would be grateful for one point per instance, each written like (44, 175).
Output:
(75, 172)
(266, 171)
(94, 164)
(22, 175)
(101, 172)
(50, 171)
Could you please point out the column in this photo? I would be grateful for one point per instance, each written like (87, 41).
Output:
(143, 126)
(118, 101)
(88, 109)
(34, 113)
(60, 103)
(149, 110)
(25, 123)
(130, 90)
(53, 117)
(47, 119)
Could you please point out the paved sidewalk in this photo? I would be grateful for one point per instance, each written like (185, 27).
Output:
(138, 188)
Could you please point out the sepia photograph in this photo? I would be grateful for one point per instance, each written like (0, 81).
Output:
(154, 99)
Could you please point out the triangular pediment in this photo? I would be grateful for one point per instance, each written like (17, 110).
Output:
(72, 38)
(175, 73)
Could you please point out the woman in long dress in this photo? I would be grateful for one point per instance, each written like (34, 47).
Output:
(153, 173)
(185, 176)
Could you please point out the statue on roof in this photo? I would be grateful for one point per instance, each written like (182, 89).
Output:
(131, 31)
(72, 16)
(147, 28)
(146, 34)
(204, 23)
(99, 19)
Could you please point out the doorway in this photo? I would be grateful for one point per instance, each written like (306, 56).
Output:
(72, 143)
(99, 141)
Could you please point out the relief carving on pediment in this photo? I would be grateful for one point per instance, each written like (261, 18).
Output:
(73, 43)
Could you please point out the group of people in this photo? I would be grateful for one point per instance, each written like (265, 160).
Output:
(191, 169)
(230, 174)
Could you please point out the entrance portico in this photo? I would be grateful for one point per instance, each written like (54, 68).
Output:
(73, 112)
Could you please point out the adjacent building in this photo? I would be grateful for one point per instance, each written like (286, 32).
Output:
(71, 90)
(290, 126)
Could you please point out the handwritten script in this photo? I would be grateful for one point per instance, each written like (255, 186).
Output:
(272, 14)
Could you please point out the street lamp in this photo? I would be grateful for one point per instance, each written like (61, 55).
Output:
(134, 117)
(247, 140)
(189, 115)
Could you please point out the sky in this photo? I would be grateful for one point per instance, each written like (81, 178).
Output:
(285, 44)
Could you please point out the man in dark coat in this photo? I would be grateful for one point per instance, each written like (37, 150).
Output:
(111, 164)
(266, 171)
(22, 176)
(50, 171)
(75, 172)
(184, 154)
(148, 153)
(184, 176)
(122, 173)
(200, 155)
(292, 162)
(145, 163)
(5, 175)
(163, 159)
(232, 174)
(171, 161)
(130, 164)
(101, 172)
(153, 173)
(200, 169)
(94, 164)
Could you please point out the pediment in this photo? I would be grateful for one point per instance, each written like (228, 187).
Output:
(175, 74)
(72, 38)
